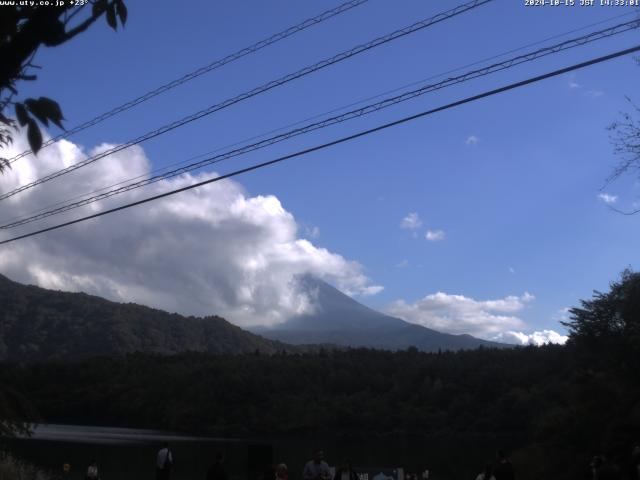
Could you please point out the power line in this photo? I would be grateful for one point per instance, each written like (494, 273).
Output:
(201, 71)
(365, 110)
(316, 116)
(263, 88)
(334, 110)
(338, 141)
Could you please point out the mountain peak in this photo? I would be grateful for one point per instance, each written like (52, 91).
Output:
(339, 319)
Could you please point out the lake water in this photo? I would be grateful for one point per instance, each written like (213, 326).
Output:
(128, 454)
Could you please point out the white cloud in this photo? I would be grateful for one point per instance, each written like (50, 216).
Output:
(594, 93)
(572, 82)
(591, 93)
(211, 250)
(412, 221)
(365, 290)
(472, 140)
(434, 235)
(512, 270)
(608, 199)
(536, 338)
(404, 263)
(459, 314)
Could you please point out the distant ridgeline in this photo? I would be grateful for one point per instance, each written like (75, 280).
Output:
(40, 324)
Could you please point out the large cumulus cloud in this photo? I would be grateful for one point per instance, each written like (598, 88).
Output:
(537, 338)
(489, 319)
(459, 314)
(211, 250)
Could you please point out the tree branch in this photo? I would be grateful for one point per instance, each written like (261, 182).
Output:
(79, 28)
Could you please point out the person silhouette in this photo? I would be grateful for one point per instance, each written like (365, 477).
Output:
(164, 462)
(503, 469)
(634, 463)
(92, 471)
(216, 470)
(345, 471)
(487, 473)
(316, 468)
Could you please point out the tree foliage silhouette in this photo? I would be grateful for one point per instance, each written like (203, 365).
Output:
(23, 30)
(612, 316)
(625, 138)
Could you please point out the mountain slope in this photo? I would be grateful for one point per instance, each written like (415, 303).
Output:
(340, 320)
(39, 324)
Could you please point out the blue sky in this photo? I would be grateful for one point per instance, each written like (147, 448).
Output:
(512, 181)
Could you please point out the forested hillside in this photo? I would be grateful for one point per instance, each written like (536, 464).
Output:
(353, 390)
(563, 402)
(40, 324)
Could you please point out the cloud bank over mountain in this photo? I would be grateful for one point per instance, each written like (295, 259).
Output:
(215, 249)
(211, 250)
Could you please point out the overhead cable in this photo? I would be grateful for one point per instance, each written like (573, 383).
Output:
(256, 91)
(201, 71)
(338, 141)
(356, 113)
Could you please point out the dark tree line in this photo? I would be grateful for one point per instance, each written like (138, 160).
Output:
(562, 401)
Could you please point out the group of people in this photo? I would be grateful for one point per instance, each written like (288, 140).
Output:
(502, 469)
(164, 464)
(603, 467)
(314, 469)
(90, 474)
(600, 468)
(318, 469)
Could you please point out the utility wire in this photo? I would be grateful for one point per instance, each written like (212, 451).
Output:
(320, 115)
(201, 71)
(348, 138)
(263, 88)
(374, 107)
